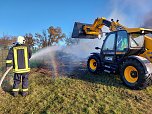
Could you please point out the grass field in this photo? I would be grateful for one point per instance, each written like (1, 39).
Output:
(78, 93)
(3, 54)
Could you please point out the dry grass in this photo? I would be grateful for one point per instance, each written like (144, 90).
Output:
(3, 54)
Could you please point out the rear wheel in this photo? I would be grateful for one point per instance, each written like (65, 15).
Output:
(93, 64)
(134, 75)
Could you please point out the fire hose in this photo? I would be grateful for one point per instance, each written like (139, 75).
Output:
(4, 75)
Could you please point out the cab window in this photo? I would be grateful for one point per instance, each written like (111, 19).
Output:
(122, 41)
(136, 40)
(109, 42)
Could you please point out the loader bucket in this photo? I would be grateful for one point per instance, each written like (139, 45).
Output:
(78, 32)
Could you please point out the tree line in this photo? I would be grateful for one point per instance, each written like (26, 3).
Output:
(49, 37)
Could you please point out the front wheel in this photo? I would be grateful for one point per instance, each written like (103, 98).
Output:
(94, 64)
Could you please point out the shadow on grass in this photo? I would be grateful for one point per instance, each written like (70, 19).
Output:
(101, 78)
(80, 72)
(7, 83)
(7, 88)
(77, 70)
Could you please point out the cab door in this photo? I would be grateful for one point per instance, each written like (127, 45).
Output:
(122, 44)
(108, 48)
(115, 46)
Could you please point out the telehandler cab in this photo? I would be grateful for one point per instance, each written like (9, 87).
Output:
(125, 51)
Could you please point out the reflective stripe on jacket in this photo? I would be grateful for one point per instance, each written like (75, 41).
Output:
(19, 56)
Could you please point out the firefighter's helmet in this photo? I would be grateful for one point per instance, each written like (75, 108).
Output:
(20, 40)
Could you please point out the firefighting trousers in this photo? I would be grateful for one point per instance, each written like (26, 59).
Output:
(18, 77)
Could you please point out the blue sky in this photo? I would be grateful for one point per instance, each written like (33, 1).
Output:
(18, 17)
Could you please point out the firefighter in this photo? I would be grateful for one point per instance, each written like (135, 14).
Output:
(19, 56)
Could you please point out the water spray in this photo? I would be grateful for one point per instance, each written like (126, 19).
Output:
(54, 65)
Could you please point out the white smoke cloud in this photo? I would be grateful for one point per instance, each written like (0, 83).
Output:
(148, 21)
(84, 48)
(131, 13)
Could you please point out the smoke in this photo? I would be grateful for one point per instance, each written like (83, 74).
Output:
(84, 48)
(66, 59)
(148, 21)
(81, 50)
(131, 13)
(47, 57)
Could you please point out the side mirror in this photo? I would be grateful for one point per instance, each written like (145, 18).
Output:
(97, 48)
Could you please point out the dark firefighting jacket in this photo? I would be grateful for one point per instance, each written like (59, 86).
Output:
(19, 56)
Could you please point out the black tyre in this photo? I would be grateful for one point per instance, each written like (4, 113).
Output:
(94, 64)
(134, 75)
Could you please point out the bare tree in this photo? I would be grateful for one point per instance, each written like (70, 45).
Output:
(42, 39)
(29, 40)
(55, 35)
(49, 37)
(7, 40)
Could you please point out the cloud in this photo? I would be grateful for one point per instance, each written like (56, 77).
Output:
(148, 21)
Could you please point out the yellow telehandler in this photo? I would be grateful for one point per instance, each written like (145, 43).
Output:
(125, 51)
